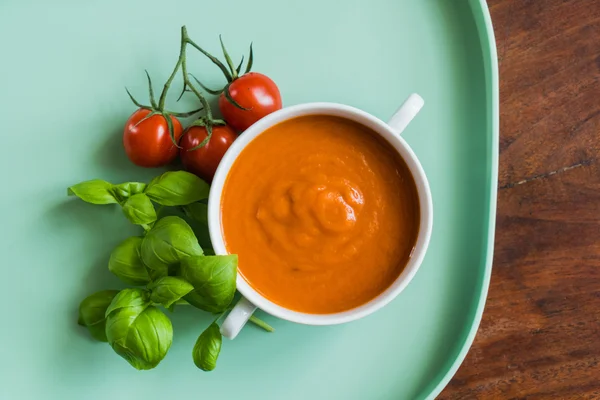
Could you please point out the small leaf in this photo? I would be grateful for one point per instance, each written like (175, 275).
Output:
(95, 191)
(148, 116)
(213, 278)
(169, 121)
(126, 262)
(207, 348)
(231, 100)
(134, 100)
(211, 91)
(169, 289)
(92, 312)
(213, 59)
(206, 139)
(151, 90)
(185, 114)
(139, 209)
(227, 58)
(239, 67)
(250, 61)
(182, 91)
(127, 189)
(177, 188)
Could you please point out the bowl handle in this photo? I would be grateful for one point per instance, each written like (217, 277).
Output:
(406, 112)
(237, 318)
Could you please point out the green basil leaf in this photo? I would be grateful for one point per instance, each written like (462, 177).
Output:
(207, 348)
(153, 181)
(168, 242)
(126, 262)
(119, 322)
(198, 214)
(125, 190)
(141, 335)
(213, 278)
(167, 290)
(133, 298)
(92, 312)
(95, 191)
(139, 209)
(177, 188)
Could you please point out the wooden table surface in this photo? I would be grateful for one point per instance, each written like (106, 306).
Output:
(540, 333)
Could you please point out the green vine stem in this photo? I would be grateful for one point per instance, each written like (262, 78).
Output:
(261, 324)
(207, 120)
(230, 71)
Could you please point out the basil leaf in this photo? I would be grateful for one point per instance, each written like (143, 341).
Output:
(177, 188)
(119, 322)
(168, 242)
(139, 209)
(125, 190)
(207, 348)
(167, 290)
(154, 180)
(95, 191)
(126, 262)
(92, 310)
(133, 298)
(142, 335)
(198, 213)
(213, 278)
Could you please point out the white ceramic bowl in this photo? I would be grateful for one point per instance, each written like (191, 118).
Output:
(240, 314)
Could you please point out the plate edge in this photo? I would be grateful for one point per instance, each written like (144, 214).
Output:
(483, 21)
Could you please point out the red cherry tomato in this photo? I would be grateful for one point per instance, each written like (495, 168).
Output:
(205, 160)
(148, 143)
(254, 91)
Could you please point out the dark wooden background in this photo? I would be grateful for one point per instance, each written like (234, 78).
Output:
(540, 333)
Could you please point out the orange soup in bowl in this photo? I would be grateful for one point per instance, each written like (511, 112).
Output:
(322, 212)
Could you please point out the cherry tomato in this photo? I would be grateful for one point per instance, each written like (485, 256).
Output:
(205, 160)
(148, 143)
(254, 91)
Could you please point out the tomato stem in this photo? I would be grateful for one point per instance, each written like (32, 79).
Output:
(187, 84)
(150, 90)
(261, 324)
(231, 100)
(228, 60)
(239, 67)
(211, 91)
(214, 59)
(134, 100)
(163, 94)
(184, 114)
(250, 60)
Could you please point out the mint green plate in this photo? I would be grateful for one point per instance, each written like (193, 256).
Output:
(63, 69)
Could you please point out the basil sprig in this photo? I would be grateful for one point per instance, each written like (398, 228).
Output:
(173, 188)
(169, 266)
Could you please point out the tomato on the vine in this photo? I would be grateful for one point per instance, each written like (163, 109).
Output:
(204, 160)
(147, 140)
(246, 97)
(255, 92)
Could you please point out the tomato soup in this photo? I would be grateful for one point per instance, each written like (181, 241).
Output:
(322, 212)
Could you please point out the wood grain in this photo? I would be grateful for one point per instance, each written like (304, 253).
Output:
(540, 333)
